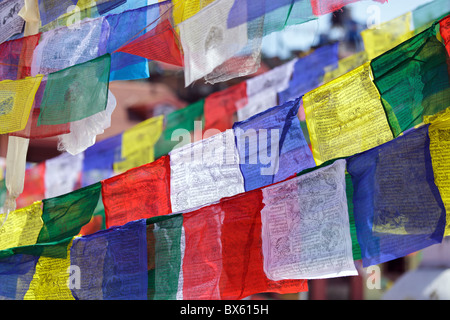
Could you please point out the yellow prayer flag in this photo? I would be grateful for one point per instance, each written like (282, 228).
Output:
(138, 144)
(184, 9)
(21, 227)
(345, 116)
(345, 65)
(51, 279)
(439, 133)
(16, 100)
(387, 35)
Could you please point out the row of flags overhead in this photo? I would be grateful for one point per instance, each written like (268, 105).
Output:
(161, 256)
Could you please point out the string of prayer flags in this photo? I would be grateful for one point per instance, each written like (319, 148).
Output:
(271, 146)
(304, 77)
(413, 80)
(397, 206)
(345, 116)
(76, 93)
(205, 171)
(222, 256)
(305, 226)
(321, 7)
(381, 38)
(138, 144)
(138, 193)
(16, 57)
(12, 22)
(113, 264)
(16, 101)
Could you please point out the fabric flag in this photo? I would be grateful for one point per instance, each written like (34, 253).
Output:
(76, 93)
(258, 103)
(248, 10)
(138, 193)
(308, 72)
(413, 80)
(99, 160)
(138, 144)
(112, 264)
(271, 146)
(16, 101)
(34, 186)
(444, 28)
(50, 10)
(207, 42)
(21, 227)
(12, 22)
(32, 130)
(205, 171)
(68, 46)
(345, 116)
(16, 273)
(397, 206)
(321, 7)
(159, 44)
(83, 133)
(383, 37)
(184, 9)
(439, 132)
(345, 65)
(50, 280)
(305, 226)
(16, 57)
(62, 174)
(221, 106)
(212, 253)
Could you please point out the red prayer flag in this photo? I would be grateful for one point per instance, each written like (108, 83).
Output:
(444, 29)
(138, 193)
(34, 186)
(321, 7)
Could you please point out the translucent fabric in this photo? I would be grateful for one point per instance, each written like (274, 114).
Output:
(413, 80)
(64, 216)
(221, 106)
(248, 10)
(50, 280)
(16, 57)
(34, 186)
(383, 37)
(271, 146)
(16, 273)
(397, 206)
(222, 256)
(50, 10)
(138, 193)
(258, 103)
(112, 264)
(205, 171)
(309, 71)
(65, 47)
(99, 159)
(345, 116)
(444, 28)
(84, 132)
(62, 174)
(76, 93)
(22, 226)
(12, 23)
(207, 42)
(184, 9)
(16, 101)
(439, 132)
(295, 244)
(138, 144)
(345, 65)
(321, 7)
(356, 249)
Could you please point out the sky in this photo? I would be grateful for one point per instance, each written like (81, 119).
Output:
(302, 37)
